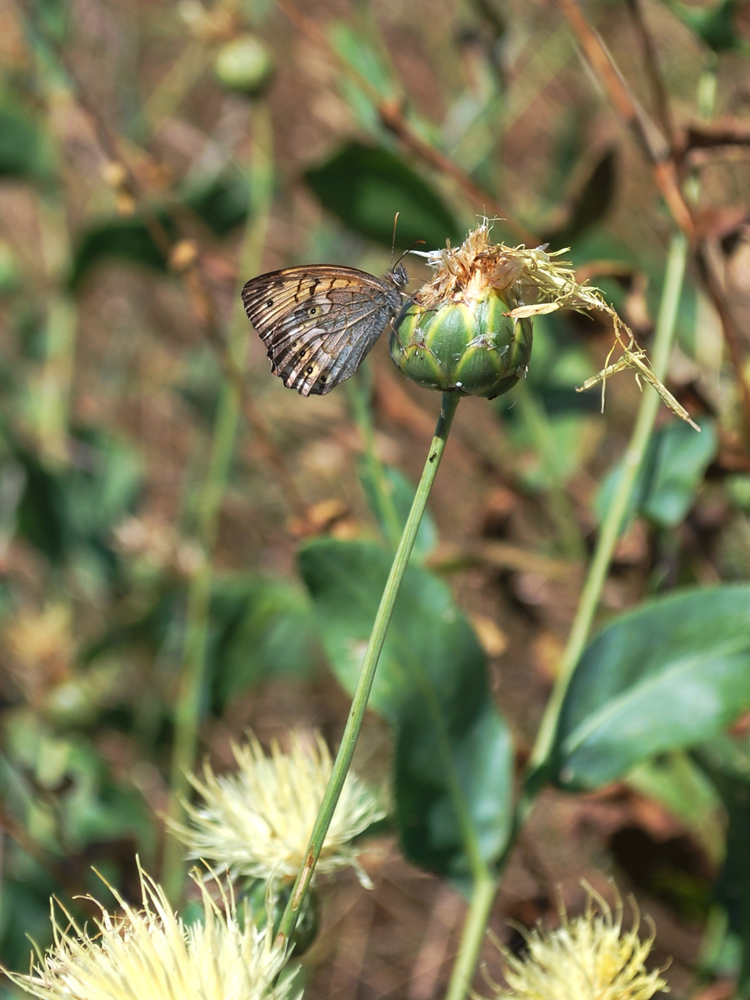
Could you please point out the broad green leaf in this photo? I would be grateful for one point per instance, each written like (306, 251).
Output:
(402, 494)
(475, 770)
(453, 755)
(738, 490)
(103, 485)
(365, 186)
(672, 470)
(262, 628)
(671, 674)
(429, 642)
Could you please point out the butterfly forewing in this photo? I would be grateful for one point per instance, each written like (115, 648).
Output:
(318, 322)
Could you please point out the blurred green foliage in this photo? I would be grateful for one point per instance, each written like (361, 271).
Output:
(120, 146)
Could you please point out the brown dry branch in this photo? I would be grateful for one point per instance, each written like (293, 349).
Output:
(665, 167)
(705, 135)
(653, 71)
(715, 288)
(625, 103)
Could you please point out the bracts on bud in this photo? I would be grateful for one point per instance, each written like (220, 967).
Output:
(469, 329)
(456, 334)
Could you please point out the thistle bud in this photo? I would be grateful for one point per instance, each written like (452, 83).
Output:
(244, 65)
(457, 335)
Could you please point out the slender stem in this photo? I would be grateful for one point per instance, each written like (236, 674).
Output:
(187, 708)
(52, 388)
(171, 90)
(369, 665)
(612, 523)
(663, 339)
(482, 897)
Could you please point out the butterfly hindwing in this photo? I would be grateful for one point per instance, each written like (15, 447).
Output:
(318, 322)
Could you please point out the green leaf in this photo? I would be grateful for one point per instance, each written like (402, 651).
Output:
(103, 486)
(63, 508)
(84, 802)
(221, 203)
(591, 202)
(402, 494)
(478, 777)
(551, 425)
(365, 186)
(262, 628)
(453, 756)
(357, 51)
(672, 674)
(712, 22)
(672, 471)
(55, 17)
(24, 912)
(117, 239)
(361, 55)
(675, 781)
(429, 640)
(24, 150)
(728, 766)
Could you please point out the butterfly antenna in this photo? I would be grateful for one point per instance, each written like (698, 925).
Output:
(393, 241)
(414, 244)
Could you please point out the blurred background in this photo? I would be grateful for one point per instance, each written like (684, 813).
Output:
(156, 481)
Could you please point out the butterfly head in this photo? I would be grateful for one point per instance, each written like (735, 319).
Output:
(399, 277)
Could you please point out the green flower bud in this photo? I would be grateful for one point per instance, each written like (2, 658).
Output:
(244, 64)
(468, 346)
(468, 330)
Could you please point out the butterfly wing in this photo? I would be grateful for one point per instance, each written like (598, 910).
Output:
(318, 322)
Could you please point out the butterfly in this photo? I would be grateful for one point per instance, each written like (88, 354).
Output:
(319, 321)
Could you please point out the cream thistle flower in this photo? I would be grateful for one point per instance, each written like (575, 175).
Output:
(466, 276)
(150, 954)
(257, 822)
(589, 957)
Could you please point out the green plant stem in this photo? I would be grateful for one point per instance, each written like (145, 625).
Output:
(52, 389)
(192, 677)
(367, 671)
(172, 89)
(663, 339)
(482, 897)
(612, 522)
